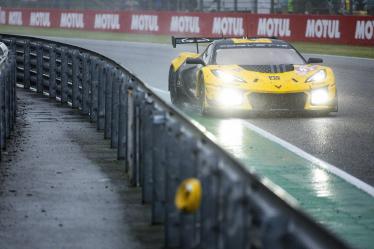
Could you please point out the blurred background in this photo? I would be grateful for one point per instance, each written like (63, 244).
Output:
(343, 7)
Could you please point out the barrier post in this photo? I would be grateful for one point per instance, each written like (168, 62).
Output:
(39, 68)
(2, 108)
(108, 102)
(64, 75)
(75, 82)
(116, 84)
(172, 215)
(52, 72)
(146, 148)
(85, 84)
(130, 133)
(188, 170)
(139, 101)
(26, 65)
(122, 119)
(95, 67)
(158, 167)
(101, 97)
(6, 99)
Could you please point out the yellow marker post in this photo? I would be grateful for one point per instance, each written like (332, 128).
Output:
(188, 195)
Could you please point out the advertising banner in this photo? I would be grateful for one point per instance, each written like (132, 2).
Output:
(353, 30)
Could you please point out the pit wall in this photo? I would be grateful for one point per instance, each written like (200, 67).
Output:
(352, 30)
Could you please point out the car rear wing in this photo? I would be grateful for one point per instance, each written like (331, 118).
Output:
(190, 40)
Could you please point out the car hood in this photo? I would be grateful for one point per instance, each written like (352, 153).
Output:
(278, 78)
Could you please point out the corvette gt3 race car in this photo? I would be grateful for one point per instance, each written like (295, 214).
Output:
(250, 74)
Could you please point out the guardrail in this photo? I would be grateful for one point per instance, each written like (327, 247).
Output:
(161, 147)
(7, 96)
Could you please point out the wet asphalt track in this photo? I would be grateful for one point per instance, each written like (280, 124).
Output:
(345, 139)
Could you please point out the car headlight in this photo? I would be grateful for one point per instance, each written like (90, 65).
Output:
(319, 96)
(229, 97)
(226, 77)
(318, 77)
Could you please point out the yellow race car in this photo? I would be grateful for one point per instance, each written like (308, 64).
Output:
(250, 74)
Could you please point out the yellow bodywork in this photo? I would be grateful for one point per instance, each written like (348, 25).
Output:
(258, 82)
(177, 62)
(245, 40)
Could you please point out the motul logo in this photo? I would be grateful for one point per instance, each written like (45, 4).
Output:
(144, 23)
(185, 24)
(364, 30)
(107, 21)
(322, 28)
(72, 20)
(228, 26)
(40, 19)
(2, 17)
(15, 18)
(273, 27)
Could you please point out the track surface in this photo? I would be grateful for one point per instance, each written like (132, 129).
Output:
(345, 139)
(62, 187)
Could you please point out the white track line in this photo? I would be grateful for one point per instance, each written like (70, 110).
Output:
(320, 163)
(160, 91)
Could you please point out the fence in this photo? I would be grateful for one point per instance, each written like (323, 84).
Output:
(161, 147)
(7, 97)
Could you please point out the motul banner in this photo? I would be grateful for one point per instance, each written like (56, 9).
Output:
(352, 30)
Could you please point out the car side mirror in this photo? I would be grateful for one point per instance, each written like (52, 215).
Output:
(196, 60)
(314, 60)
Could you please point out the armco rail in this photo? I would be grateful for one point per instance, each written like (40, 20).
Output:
(161, 147)
(7, 98)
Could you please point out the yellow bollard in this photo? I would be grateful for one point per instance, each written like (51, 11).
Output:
(188, 195)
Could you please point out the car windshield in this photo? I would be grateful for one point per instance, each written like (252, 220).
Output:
(257, 56)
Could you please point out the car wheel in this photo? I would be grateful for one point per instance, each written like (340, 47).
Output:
(175, 95)
(202, 98)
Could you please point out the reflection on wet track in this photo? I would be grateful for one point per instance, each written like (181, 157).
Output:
(230, 133)
(325, 196)
(321, 182)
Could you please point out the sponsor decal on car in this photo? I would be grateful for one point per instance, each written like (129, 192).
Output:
(274, 77)
(303, 70)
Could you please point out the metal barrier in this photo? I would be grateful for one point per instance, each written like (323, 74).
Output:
(7, 96)
(161, 147)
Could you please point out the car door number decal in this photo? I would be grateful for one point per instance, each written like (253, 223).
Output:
(274, 77)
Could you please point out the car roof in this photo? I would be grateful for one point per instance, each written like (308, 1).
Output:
(251, 42)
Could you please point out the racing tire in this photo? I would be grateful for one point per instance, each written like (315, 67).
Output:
(202, 98)
(175, 95)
